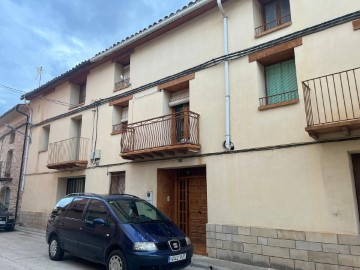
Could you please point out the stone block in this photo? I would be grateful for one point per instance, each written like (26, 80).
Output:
(262, 241)
(241, 257)
(236, 246)
(276, 252)
(301, 265)
(224, 254)
(355, 250)
(223, 236)
(211, 252)
(299, 254)
(252, 248)
(346, 239)
(327, 238)
(219, 244)
(211, 243)
(308, 246)
(349, 260)
(346, 268)
(291, 235)
(244, 230)
(230, 229)
(281, 264)
(211, 235)
(321, 266)
(332, 248)
(323, 257)
(226, 245)
(260, 260)
(345, 249)
(218, 228)
(244, 239)
(210, 227)
(263, 232)
(281, 243)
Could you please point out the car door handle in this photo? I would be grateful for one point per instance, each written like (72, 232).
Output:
(81, 228)
(61, 224)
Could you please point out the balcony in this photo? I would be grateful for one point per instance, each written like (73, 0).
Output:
(68, 154)
(122, 84)
(332, 103)
(169, 135)
(5, 171)
(274, 25)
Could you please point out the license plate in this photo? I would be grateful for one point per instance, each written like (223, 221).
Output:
(176, 258)
(2, 222)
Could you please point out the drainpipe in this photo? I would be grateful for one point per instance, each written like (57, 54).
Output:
(228, 145)
(22, 158)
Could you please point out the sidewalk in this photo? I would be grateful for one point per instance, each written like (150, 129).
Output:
(198, 262)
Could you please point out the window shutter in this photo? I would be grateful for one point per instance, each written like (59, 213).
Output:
(124, 114)
(180, 97)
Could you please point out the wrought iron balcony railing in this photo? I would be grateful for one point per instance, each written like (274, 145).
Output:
(333, 99)
(173, 131)
(272, 24)
(279, 98)
(122, 84)
(68, 153)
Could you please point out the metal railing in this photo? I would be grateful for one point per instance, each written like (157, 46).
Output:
(272, 24)
(283, 97)
(68, 150)
(119, 128)
(332, 98)
(123, 83)
(5, 169)
(169, 130)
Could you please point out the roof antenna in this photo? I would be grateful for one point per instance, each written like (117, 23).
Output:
(39, 72)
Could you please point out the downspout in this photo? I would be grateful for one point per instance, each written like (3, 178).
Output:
(26, 158)
(22, 160)
(228, 145)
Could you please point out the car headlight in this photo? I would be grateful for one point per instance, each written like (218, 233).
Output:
(188, 241)
(11, 217)
(145, 246)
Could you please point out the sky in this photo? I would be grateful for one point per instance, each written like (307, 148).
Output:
(56, 35)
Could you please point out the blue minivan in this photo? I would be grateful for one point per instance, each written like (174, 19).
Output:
(120, 231)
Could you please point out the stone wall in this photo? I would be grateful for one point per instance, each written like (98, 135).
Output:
(283, 249)
(35, 220)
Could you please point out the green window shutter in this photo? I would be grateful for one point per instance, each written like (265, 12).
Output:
(281, 83)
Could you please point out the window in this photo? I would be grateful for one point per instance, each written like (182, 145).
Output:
(9, 158)
(76, 208)
(61, 206)
(44, 143)
(120, 118)
(82, 93)
(12, 137)
(97, 209)
(122, 77)
(117, 185)
(75, 185)
(281, 84)
(274, 13)
(78, 94)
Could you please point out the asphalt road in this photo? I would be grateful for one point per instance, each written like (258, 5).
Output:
(28, 250)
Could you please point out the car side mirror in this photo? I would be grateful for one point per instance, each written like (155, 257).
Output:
(99, 222)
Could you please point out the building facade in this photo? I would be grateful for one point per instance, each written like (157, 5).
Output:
(12, 130)
(148, 117)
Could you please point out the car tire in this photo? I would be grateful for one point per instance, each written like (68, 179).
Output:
(116, 261)
(56, 253)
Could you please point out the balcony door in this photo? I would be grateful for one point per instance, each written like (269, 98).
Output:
(180, 123)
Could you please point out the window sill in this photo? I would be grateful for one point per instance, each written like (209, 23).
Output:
(276, 105)
(116, 89)
(76, 106)
(272, 30)
(42, 151)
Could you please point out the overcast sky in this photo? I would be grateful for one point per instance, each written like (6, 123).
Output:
(58, 34)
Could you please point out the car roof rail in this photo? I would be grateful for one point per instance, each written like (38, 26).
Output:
(124, 194)
(83, 194)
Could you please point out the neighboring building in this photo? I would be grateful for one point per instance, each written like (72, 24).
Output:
(147, 117)
(12, 130)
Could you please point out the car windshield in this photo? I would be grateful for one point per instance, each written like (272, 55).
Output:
(2, 207)
(129, 211)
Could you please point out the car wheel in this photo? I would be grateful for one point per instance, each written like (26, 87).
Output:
(116, 261)
(55, 251)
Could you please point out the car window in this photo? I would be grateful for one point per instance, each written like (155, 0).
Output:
(76, 208)
(2, 207)
(61, 206)
(96, 209)
(129, 211)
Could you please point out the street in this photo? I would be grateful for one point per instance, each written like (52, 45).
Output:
(28, 250)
